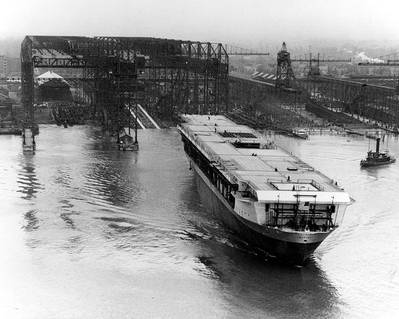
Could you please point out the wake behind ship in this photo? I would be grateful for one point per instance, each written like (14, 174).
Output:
(269, 197)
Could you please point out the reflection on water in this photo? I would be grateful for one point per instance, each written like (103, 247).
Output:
(27, 180)
(99, 233)
(254, 287)
(31, 221)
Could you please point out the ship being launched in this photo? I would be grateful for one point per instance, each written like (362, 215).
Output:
(269, 197)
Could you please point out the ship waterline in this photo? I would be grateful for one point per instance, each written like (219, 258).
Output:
(269, 197)
(290, 247)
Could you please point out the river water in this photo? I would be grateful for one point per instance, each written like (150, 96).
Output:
(87, 231)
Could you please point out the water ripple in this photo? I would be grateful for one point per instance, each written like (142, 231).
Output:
(99, 228)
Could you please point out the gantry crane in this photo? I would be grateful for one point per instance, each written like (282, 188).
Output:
(285, 75)
(314, 63)
(234, 50)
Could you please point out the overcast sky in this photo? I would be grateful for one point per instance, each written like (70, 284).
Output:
(245, 21)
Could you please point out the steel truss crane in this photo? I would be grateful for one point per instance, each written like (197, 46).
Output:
(166, 76)
(285, 75)
(314, 63)
(234, 50)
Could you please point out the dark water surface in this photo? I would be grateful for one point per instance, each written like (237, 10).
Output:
(90, 232)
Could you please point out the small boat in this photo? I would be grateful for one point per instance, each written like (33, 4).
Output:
(301, 134)
(350, 132)
(126, 143)
(377, 158)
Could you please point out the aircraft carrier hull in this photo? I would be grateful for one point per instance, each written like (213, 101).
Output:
(290, 248)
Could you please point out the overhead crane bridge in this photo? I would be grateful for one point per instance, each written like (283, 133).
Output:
(169, 76)
(322, 94)
(165, 76)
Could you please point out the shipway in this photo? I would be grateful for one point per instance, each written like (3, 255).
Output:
(267, 196)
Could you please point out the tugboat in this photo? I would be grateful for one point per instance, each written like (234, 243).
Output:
(377, 158)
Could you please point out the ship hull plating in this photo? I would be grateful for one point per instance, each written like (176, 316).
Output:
(291, 248)
(375, 164)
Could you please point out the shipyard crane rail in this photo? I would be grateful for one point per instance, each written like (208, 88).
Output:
(316, 70)
(326, 96)
(234, 50)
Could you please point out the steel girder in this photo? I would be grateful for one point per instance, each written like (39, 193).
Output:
(374, 102)
(178, 75)
(248, 94)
